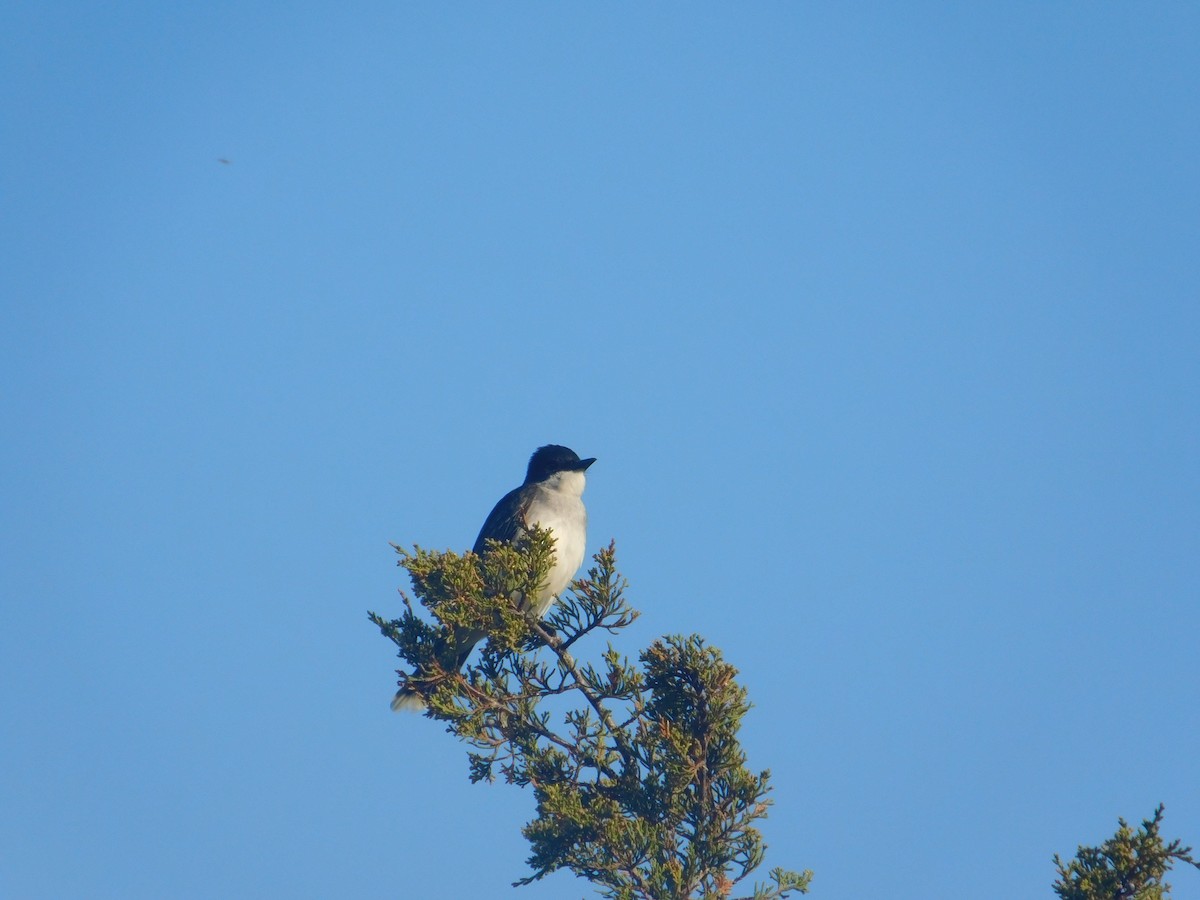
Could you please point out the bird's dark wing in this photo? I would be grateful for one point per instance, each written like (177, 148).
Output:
(506, 521)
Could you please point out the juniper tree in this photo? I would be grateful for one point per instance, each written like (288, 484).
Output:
(1128, 866)
(640, 783)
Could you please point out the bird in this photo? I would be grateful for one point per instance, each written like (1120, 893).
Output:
(551, 498)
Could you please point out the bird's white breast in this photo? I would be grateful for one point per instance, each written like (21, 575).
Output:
(557, 506)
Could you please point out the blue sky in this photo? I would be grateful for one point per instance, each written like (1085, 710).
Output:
(881, 319)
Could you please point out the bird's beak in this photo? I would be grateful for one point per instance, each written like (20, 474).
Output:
(584, 463)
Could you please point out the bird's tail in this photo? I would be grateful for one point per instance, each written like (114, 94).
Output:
(407, 700)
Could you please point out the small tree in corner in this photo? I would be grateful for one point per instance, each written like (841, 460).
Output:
(639, 779)
(1128, 866)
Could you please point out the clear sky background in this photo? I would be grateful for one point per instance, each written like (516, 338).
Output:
(882, 319)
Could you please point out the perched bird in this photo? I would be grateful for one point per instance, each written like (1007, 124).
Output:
(551, 498)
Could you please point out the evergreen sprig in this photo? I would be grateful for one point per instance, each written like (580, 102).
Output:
(640, 782)
(1128, 866)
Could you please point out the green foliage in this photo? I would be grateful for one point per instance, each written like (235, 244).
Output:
(1128, 866)
(640, 783)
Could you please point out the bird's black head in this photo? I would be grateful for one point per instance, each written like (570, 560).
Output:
(551, 459)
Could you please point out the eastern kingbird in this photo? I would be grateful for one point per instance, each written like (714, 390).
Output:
(551, 498)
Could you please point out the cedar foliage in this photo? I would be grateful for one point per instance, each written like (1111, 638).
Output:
(640, 783)
(1128, 866)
